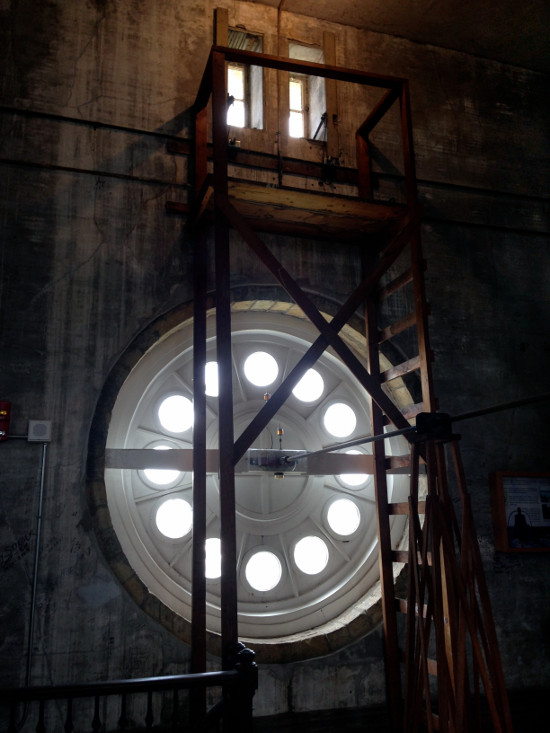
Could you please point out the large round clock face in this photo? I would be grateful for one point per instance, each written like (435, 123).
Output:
(306, 539)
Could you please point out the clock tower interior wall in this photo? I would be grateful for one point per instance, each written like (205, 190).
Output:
(90, 259)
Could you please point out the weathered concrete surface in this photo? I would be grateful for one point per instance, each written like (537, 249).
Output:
(89, 94)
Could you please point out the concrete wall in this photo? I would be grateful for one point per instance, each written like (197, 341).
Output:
(91, 93)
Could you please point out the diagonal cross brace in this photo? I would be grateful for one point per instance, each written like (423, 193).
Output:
(329, 331)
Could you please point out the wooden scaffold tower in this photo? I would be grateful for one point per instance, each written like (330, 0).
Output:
(442, 658)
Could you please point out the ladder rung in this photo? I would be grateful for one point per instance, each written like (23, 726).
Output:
(398, 327)
(434, 717)
(406, 367)
(176, 207)
(432, 665)
(402, 605)
(400, 556)
(396, 284)
(403, 556)
(412, 410)
(402, 507)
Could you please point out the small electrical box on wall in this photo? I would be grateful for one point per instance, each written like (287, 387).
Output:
(5, 410)
(40, 431)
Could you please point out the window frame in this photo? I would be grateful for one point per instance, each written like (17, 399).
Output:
(253, 79)
(245, 99)
(302, 81)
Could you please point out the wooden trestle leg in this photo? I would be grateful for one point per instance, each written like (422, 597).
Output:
(451, 654)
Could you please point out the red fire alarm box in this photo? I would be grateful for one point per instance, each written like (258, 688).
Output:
(5, 409)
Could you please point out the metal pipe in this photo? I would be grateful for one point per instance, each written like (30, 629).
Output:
(412, 428)
(503, 406)
(36, 558)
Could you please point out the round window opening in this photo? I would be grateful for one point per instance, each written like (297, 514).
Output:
(308, 554)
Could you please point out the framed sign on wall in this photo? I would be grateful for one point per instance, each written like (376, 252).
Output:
(520, 504)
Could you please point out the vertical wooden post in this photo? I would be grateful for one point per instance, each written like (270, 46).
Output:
(408, 146)
(201, 153)
(198, 609)
(364, 177)
(393, 674)
(221, 27)
(283, 105)
(333, 142)
(421, 314)
(223, 341)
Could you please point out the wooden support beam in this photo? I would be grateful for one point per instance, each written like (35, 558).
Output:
(379, 110)
(408, 146)
(329, 334)
(229, 627)
(422, 311)
(391, 643)
(333, 143)
(327, 71)
(198, 594)
(221, 27)
(364, 178)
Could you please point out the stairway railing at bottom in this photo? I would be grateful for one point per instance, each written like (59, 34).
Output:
(144, 704)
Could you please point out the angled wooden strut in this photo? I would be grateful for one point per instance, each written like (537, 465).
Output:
(452, 666)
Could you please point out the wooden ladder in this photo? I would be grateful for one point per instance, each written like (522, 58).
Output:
(440, 642)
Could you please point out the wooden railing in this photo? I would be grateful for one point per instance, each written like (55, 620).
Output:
(145, 704)
(214, 86)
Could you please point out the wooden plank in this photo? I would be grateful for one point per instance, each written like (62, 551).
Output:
(180, 459)
(293, 198)
(311, 226)
(310, 214)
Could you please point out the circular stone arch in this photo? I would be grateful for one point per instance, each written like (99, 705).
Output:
(356, 607)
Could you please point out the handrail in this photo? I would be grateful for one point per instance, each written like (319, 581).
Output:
(238, 685)
(328, 71)
(396, 90)
(120, 687)
(253, 58)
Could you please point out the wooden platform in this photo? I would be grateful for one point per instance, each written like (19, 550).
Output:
(301, 213)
